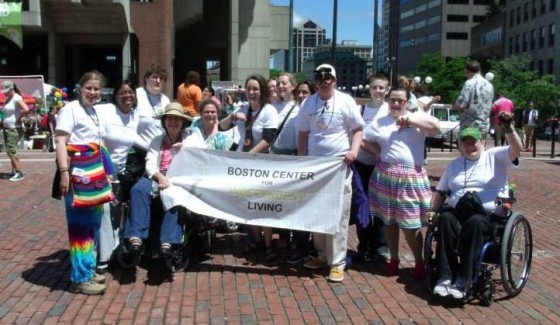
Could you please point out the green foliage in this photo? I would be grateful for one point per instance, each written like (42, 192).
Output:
(512, 78)
(516, 81)
(300, 77)
(275, 73)
(448, 75)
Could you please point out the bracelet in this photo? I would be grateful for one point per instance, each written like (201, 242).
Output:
(62, 170)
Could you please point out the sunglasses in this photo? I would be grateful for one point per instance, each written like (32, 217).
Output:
(323, 78)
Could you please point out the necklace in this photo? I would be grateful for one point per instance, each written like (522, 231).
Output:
(465, 170)
(95, 119)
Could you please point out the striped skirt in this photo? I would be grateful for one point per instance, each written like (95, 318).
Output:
(400, 194)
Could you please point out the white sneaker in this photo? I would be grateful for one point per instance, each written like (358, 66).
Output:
(18, 176)
(442, 287)
(458, 289)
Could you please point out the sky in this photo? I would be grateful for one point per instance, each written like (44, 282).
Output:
(355, 17)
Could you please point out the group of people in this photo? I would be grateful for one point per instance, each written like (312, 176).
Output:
(386, 187)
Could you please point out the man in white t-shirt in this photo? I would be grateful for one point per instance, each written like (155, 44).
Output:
(329, 124)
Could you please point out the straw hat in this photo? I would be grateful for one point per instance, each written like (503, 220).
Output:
(176, 109)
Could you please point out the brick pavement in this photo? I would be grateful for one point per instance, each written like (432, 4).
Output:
(231, 289)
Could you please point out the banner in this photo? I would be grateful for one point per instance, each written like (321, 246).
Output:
(291, 192)
(10, 22)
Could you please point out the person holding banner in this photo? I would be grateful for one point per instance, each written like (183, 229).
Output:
(160, 155)
(329, 124)
(257, 123)
(399, 186)
(285, 143)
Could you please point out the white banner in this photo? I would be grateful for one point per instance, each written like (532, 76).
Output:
(291, 192)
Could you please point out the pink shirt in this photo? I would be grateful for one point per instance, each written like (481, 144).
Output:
(502, 104)
(166, 157)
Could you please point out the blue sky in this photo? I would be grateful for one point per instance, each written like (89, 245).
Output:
(355, 17)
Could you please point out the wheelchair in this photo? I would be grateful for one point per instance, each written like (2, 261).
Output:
(198, 234)
(508, 247)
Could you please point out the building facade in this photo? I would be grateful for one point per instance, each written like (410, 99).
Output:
(64, 38)
(432, 26)
(531, 28)
(307, 36)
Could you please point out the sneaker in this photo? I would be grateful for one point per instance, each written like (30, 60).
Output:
(99, 278)
(442, 287)
(336, 274)
(458, 289)
(165, 250)
(419, 271)
(315, 263)
(91, 288)
(295, 258)
(18, 176)
(393, 267)
(135, 245)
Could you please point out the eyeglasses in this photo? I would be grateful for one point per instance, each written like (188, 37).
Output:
(397, 101)
(319, 79)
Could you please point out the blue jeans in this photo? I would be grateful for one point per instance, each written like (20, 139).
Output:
(138, 222)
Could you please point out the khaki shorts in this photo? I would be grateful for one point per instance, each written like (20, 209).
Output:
(11, 140)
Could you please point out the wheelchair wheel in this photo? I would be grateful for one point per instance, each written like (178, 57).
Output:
(430, 256)
(516, 254)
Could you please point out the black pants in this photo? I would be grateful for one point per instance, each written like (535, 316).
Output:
(371, 237)
(465, 239)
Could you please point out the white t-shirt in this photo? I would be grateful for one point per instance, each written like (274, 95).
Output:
(11, 111)
(369, 114)
(149, 107)
(83, 124)
(487, 176)
(330, 128)
(264, 118)
(153, 156)
(287, 139)
(120, 132)
(398, 146)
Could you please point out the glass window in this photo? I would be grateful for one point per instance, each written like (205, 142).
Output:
(542, 36)
(543, 7)
(421, 8)
(458, 36)
(551, 34)
(478, 18)
(518, 15)
(524, 44)
(458, 18)
(434, 20)
(552, 5)
(534, 9)
(550, 66)
(516, 43)
(526, 11)
(511, 16)
(458, 2)
(510, 46)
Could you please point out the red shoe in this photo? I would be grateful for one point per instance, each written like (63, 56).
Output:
(419, 271)
(393, 267)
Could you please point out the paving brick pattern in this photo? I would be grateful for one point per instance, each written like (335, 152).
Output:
(229, 288)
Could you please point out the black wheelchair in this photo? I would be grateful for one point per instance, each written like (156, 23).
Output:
(509, 247)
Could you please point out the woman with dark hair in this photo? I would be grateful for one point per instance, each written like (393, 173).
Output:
(189, 94)
(121, 123)
(257, 123)
(79, 126)
(160, 154)
(304, 89)
(399, 190)
(14, 109)
(209, 93)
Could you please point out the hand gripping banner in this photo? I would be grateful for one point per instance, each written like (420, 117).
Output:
(291, 192)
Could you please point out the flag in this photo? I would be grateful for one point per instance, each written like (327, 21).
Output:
(10, 22)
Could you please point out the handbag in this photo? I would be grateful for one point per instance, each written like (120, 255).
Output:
(468, 205)
(90, 165)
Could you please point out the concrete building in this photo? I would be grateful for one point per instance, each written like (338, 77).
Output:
(487, 38)
(307, 36)
(432, 26)
(353, 63)
(121, 38)
(531, 28)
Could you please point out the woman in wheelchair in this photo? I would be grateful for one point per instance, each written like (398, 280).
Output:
(161, 151)
(461, 233)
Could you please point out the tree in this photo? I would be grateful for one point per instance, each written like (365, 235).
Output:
(448, 75)
(514, 79)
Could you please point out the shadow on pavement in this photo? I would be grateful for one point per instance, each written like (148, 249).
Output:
(50, 271)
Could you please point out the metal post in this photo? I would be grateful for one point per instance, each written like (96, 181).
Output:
(291, 39)
(335, 19)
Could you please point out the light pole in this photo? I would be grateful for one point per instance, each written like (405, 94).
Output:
(391, 62)
(360, 87)
(427, 81)
(354, 88)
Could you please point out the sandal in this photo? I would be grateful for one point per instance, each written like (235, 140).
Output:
(271, 254)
